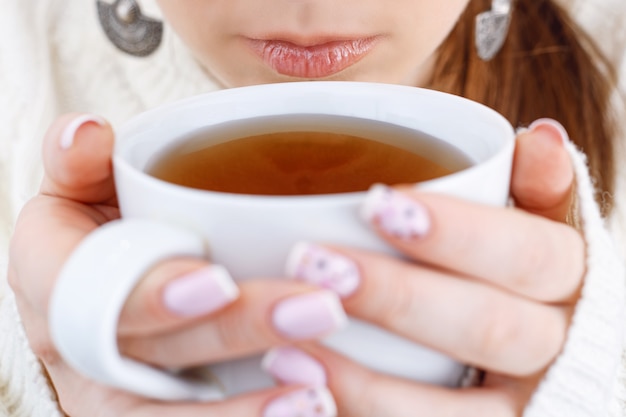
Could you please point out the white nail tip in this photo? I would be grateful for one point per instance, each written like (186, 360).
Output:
(269, 358)
(68, 135)
(294, 259)
(372, 202)
(558, 126)
(338, 314)
(311, 402)
(225, 282)
(328, 402)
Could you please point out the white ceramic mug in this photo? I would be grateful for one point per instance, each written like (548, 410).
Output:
(252, 235)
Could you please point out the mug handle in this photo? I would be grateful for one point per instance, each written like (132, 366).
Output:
(90, 292)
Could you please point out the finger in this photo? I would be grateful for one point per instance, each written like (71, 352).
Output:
(543, 177)
(278, 402)
(362, 392)
(81, 397)
(527, 254)
(77, 159)
(77, 153)
(267, 313)
(46, 232)
(486, 327)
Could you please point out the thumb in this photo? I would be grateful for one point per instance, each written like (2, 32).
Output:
(77, 159)
(543, 176)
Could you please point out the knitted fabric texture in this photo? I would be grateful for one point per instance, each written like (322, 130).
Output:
(47, 71)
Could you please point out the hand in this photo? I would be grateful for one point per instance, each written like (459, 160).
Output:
(164, 321)
(494, 288)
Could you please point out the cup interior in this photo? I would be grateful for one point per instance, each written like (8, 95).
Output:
(363, 109)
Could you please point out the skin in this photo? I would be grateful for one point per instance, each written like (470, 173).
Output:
(538, 273)
(217, 31)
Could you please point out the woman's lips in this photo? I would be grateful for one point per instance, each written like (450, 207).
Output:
(314, 61)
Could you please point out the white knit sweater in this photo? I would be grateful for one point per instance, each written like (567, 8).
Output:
(54, 58)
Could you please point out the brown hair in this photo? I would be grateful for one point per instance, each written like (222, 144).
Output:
(547, 68)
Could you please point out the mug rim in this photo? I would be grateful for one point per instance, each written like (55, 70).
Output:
(122, 164)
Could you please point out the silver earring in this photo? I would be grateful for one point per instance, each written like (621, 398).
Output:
(492, 28)
(128, 29)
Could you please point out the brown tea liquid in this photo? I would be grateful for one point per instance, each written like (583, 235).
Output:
(295, 163)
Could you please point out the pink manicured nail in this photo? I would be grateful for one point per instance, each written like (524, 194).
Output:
(323, 268)
(556, 129)
(293, 366)
(200, 292)
(395, 214)
(309, 315)
(68, 135)
(310, 402)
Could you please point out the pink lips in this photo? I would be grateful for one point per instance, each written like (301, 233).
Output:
(315, 61)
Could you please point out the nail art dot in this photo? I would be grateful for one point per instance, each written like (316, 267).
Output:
(324, 268)
(396, 214)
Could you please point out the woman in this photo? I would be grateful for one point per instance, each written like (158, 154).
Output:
(545, 325)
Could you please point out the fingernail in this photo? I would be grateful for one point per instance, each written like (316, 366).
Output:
(309, 315)
(310, 402)
(68, 135)
(555, 130)
(395, 214)
(293, 366)
(318, 266)
(200, 292)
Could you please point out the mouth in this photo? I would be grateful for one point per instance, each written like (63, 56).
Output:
(312, 61)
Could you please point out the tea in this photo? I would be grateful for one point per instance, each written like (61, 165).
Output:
(297, 163)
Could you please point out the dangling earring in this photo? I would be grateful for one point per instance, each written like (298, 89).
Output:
(492, 28)
(128, 29)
